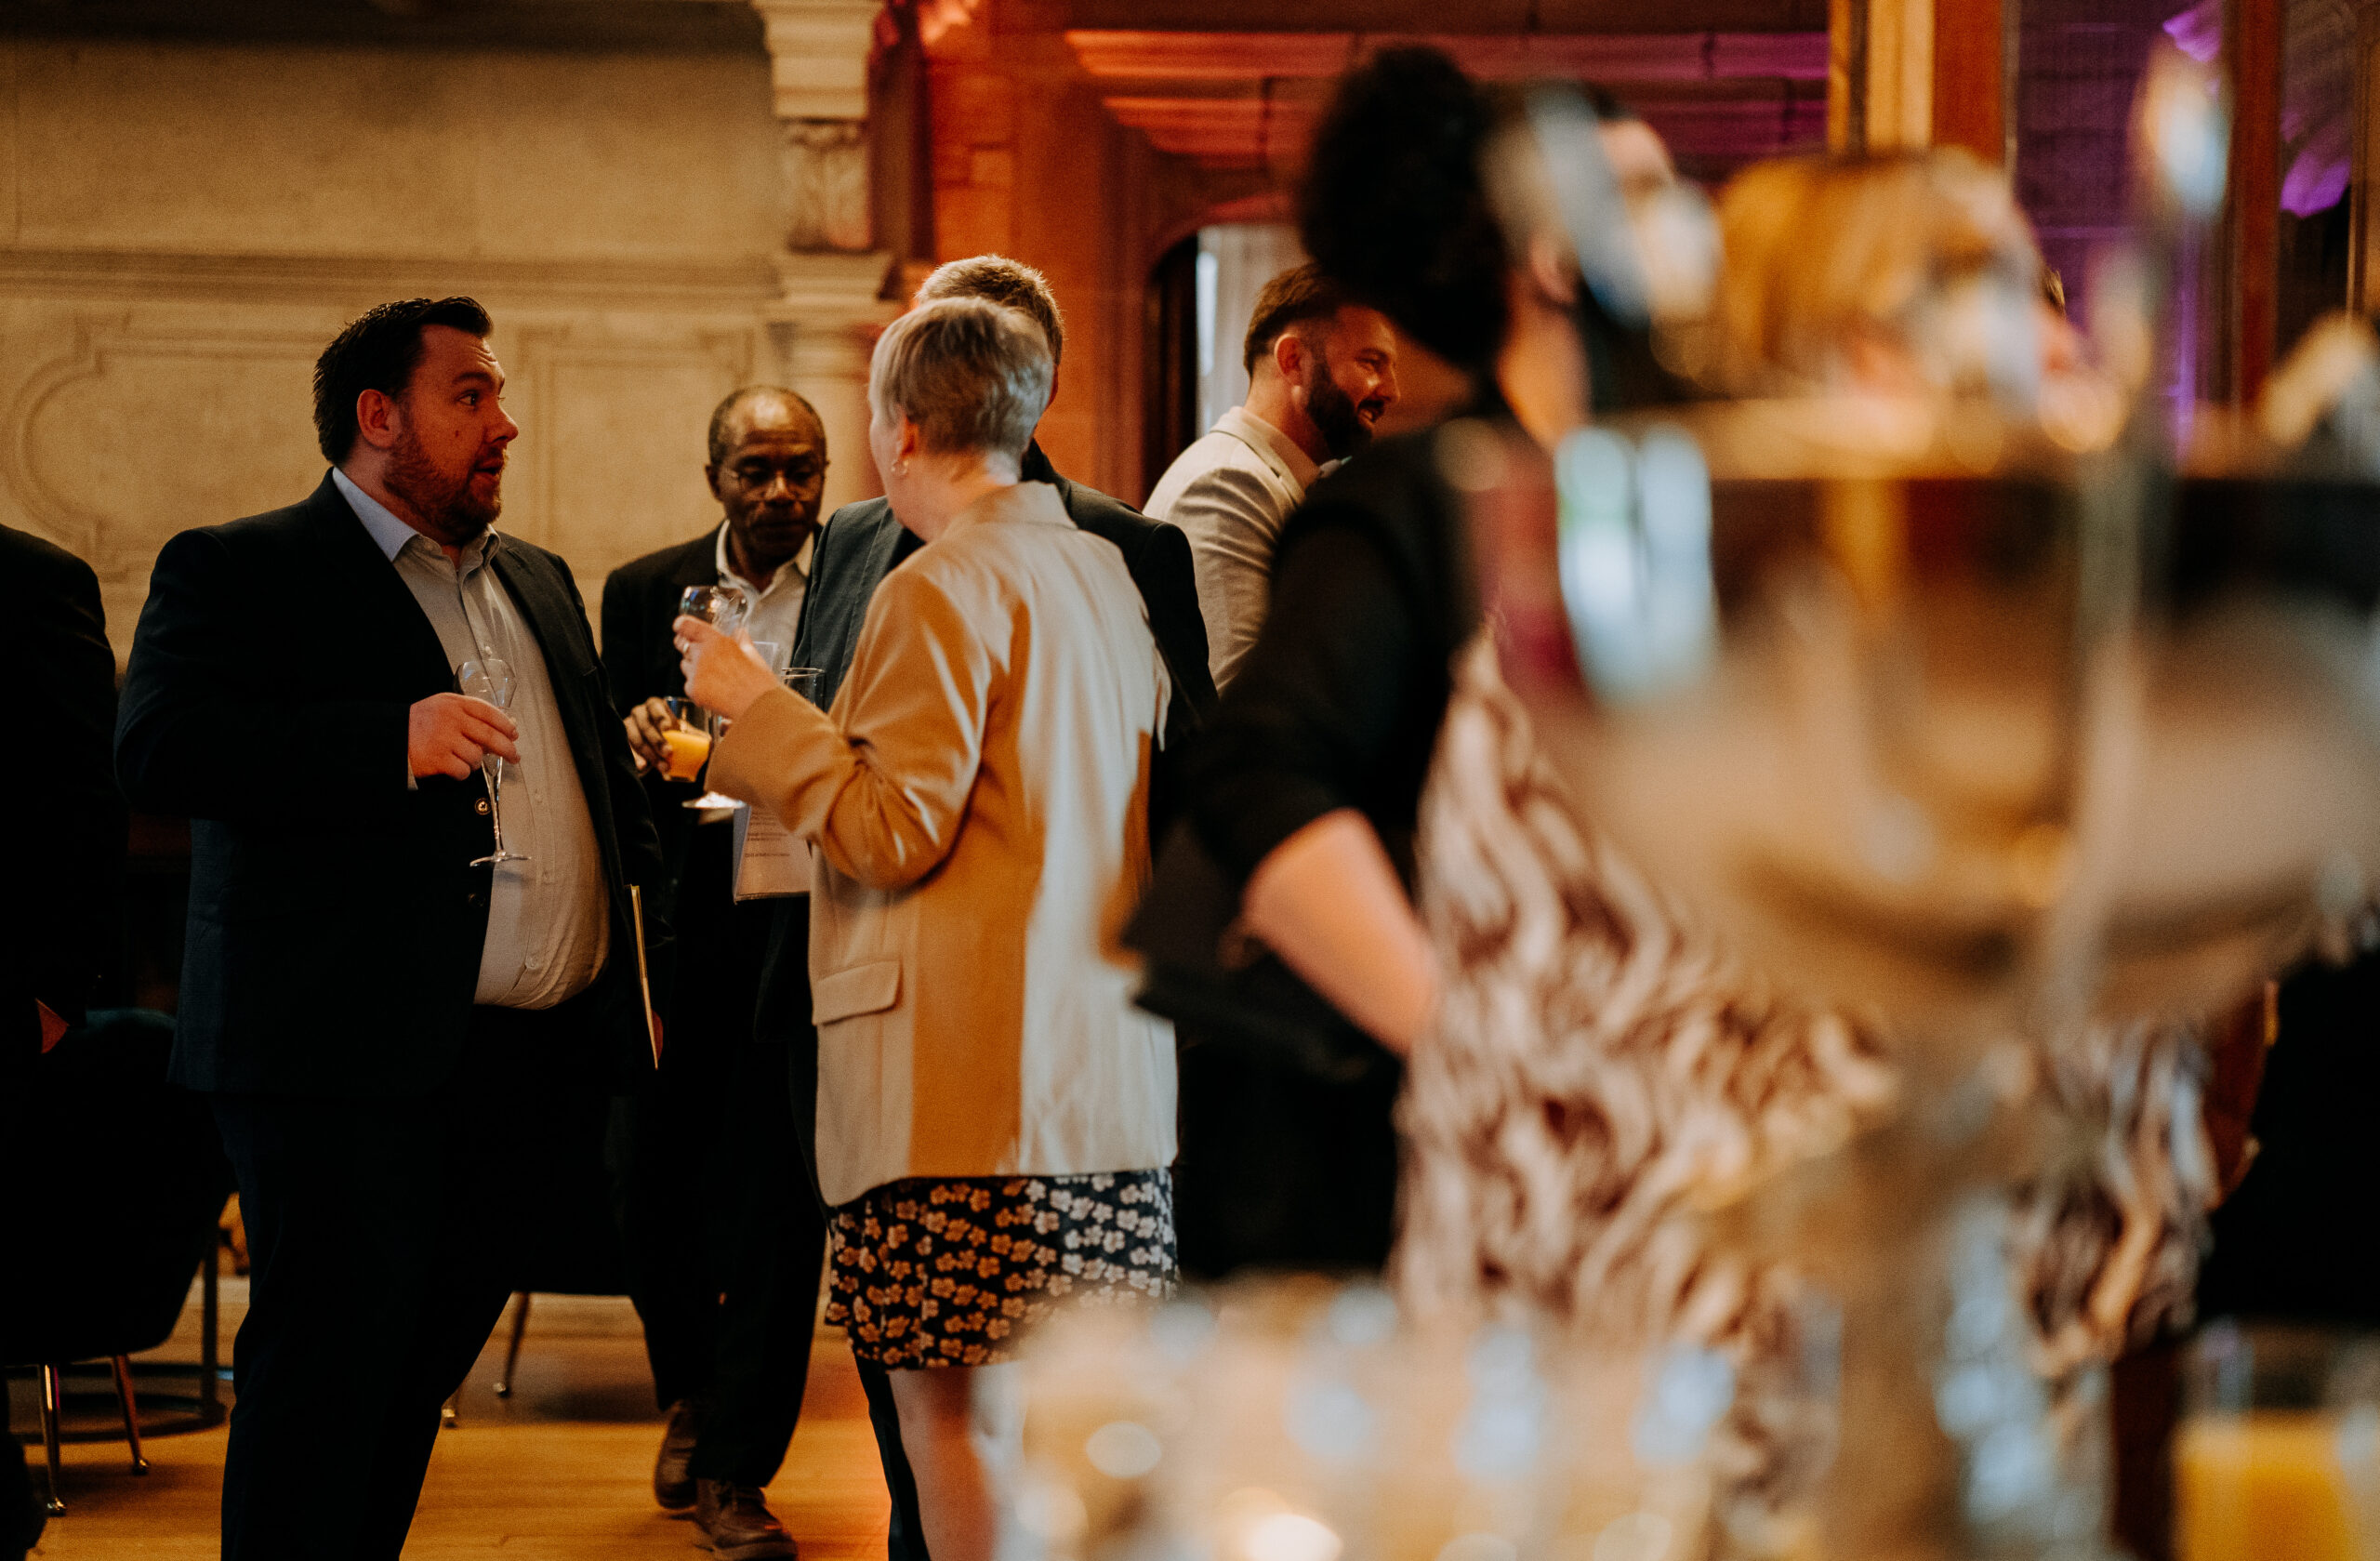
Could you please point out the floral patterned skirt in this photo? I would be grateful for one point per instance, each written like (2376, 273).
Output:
(949, 1271)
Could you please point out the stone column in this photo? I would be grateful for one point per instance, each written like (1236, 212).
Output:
(1880, 74)
(833, 278)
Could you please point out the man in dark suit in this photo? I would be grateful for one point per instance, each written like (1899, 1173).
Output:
(57, 921)
(724, 1242)
(376, 1012)
(863, 541)
(861, 544)
(64, 855)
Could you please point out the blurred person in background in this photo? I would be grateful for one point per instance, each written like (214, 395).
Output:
(995, 1118)
(1897, 275)
(724, 1241)
(1321, 373)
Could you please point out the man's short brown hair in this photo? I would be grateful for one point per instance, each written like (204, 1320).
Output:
(1297, 295)
(1010, 283)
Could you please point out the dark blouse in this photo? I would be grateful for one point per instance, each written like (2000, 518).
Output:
(1339, 703)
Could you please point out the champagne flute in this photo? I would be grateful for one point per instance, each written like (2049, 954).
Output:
(492, 681)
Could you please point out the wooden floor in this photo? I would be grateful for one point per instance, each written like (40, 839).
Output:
(562, 1469)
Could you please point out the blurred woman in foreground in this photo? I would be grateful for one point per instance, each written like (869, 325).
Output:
(1596, 1070)
(995, 1115)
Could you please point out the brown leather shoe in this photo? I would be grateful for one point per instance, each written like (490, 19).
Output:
(738, 1523)
(672, 1486)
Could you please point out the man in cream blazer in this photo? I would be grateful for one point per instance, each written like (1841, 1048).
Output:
(1321, 373)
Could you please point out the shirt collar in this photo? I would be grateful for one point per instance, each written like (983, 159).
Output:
(1278, 449)
(391, 534)
(795, 569)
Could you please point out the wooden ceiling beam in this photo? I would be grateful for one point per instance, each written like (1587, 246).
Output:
(1616, 60)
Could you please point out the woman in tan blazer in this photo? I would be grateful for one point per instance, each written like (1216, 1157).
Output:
(995, 1115)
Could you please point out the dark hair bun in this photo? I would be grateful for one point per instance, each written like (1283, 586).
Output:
(1392, 206)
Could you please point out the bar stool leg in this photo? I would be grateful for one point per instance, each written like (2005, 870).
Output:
(53, 1398)
(124, 1398)
(512, 1350)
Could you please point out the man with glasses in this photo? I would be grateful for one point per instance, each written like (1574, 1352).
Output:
(724, 1239)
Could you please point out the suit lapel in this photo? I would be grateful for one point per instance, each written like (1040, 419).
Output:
(379, 609)
(698, 562)
(556, 623)
(562, 636)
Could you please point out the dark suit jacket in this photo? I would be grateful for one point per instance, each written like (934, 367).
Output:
(862, 542)
(65, 820)
(336, 925)
(641, 662)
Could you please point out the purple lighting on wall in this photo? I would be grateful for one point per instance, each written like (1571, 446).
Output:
(2318, 92)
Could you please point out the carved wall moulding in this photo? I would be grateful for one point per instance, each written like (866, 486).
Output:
(826, 177)
(348, 281)
(212, 396)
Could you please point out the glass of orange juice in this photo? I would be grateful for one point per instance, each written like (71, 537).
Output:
(2278, 1455)
(687, 742)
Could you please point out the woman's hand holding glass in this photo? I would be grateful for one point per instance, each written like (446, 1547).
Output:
(724, 673)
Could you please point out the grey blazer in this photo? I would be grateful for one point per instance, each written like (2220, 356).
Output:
(857, 547)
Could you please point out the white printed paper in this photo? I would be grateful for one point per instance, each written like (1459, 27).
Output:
(769, 862)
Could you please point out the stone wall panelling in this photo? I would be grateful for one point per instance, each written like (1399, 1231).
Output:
(609, 464)
(129, 426)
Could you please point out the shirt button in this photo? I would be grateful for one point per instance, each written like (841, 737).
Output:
(535, 964)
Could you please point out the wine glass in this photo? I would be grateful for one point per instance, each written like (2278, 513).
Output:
(698, 732)
(720, 606)
(492, 681)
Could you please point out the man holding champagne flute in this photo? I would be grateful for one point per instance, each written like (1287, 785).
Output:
(382, 1017)
(724, 1241)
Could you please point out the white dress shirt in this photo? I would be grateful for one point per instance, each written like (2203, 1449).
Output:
(1230, 492)
(549, 924)
(776, 607)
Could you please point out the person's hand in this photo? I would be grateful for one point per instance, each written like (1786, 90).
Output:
(646, 724)
(723, 675)
(449, 733)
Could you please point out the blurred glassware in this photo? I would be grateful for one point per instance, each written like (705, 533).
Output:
(2277, 1454)
(807, 681)
(1300, 1418)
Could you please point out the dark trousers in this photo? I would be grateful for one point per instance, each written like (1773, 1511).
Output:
(782, 1013)
(379, 1238)
(724, 1241)
(1281, 1169)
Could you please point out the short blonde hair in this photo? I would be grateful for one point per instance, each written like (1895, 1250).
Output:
(1818, 249)
(970, 376)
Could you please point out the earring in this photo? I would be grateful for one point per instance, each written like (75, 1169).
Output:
(900, 469)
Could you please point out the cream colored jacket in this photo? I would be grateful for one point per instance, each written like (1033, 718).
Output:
(978, 804)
